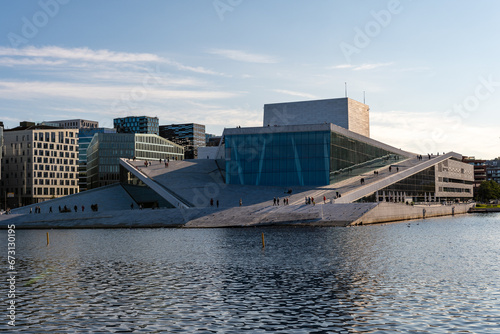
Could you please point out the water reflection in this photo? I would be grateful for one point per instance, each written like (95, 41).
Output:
(438, 276)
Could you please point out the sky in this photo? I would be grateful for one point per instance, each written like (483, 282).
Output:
(429, 70)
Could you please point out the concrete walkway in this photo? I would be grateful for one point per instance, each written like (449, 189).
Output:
(199, 181)
(302, 215)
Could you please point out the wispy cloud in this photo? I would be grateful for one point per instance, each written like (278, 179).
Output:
(339, 67)
(10, 62)
(361, 67)
(12, 90)
(78, 57)
(82, 54)
(244, 56)
(293, 93)
(197, 69)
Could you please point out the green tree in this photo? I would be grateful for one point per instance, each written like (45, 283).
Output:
(488, 190)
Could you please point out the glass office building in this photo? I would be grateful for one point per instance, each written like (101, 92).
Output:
(190, 136)
(105, 150)
(308, 155)
(137, 124)
(85, 136)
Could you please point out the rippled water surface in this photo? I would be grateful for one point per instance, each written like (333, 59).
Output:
(435, 276)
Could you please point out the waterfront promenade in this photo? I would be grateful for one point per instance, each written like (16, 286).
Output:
(200, 183)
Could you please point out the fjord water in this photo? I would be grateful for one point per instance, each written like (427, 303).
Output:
(433, 276)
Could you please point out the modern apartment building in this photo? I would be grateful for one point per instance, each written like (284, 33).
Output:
(344, 112)
(493, 170)
(137, 124)
(105, 150)
(190, 136)
(39, 163)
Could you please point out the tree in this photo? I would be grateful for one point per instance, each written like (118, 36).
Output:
(488, 190)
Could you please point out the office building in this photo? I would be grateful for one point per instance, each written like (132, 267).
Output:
(85, 136)
(73, 124)
(105, 149)
(137, 124)
(39, 163)
(344, 112)
(191, 136)
(212, 140)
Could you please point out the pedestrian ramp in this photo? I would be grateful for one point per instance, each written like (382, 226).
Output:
(161, 190)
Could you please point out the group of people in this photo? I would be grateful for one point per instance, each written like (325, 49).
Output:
(37, 210)
(217, 202)
(276, 201)
(64, 209)
(390, 169)
(310, 200)
(148, 163)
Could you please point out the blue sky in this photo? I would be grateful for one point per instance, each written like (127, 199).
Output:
(429, 69)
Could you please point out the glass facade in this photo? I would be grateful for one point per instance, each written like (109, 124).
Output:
(351, 157)
(299, 158)
(103, 155)
(137, 124)
(84, 138)
(152, 147)
(106, 149)
(190, 136)
(420, 186)
(281, 159)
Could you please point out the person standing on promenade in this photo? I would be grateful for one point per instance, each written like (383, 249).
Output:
(241, 202)
(217, 203)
